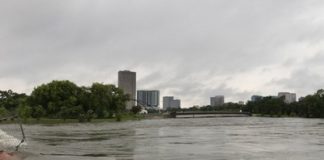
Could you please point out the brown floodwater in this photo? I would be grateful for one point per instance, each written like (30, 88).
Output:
(244, 138)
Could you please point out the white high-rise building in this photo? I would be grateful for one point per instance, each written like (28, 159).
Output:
(288, 97)
(148, 98)
(217, 100)
(169, 102)
(127, 82)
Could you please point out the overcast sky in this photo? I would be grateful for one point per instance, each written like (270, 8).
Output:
(190, 49)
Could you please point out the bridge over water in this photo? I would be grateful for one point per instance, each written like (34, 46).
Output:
(208, 114)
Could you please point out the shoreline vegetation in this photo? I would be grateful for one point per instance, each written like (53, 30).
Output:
(311, 106)
(50, 121)
(65, 102)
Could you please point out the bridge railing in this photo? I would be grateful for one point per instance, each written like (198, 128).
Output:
(193, 113)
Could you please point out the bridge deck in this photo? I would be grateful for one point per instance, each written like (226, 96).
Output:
(196, 114)
(189, 113)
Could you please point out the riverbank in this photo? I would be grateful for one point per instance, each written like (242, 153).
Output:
(49, 121)
(276, 116)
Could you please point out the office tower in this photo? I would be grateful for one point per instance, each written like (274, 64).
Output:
(217, 100)
(127, 82)
(288, 97)
(148, 98)
(169, 102)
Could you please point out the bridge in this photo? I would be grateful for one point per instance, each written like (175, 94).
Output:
(208, 114)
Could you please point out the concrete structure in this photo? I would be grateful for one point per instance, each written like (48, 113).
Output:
(217, 100)
(288, 97)
(148, 98)
(127, 82)
(176, 103)
(169, 102)
(255, 98)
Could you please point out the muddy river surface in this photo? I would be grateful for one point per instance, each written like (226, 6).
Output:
(244, 138)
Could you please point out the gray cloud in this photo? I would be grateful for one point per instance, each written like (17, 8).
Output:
(187, 48)
(307, 78)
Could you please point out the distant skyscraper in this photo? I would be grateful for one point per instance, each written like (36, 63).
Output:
(288, 97)
(170, 102)
(217, 100)
(127, 82)
(148, 98)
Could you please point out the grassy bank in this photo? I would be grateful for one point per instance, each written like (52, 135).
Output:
(51, 121)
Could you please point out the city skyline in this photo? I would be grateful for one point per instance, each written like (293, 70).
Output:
(190, 49)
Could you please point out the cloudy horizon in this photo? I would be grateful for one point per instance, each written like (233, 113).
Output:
(189, 49)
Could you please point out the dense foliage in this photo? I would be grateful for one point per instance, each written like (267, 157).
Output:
(66, 100)
(10, 100)
(230, 107)
(311, 106)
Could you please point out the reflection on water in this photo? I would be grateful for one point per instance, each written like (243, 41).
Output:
(206, 138)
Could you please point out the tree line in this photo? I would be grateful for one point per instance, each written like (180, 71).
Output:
(230, 107)
(65, 100)
(311, 106)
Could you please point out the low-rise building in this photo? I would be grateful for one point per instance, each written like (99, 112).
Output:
(288, 97)
(169, 102)
(217, 100)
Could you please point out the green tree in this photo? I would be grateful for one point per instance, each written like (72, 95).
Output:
(100, 98)
(71, 112)
(3, 111)
(107, 99)
(38, 112)
(11, 100)
(312, 106)
(136, 109)
(54, 95)
(24, 112)
(118, 101)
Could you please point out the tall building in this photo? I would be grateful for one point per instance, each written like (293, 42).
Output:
(127, 82)
(170, 102)
(288, 97)
(217, 100)
(148, 98)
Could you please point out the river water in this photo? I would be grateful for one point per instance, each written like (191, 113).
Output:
(244, 138)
